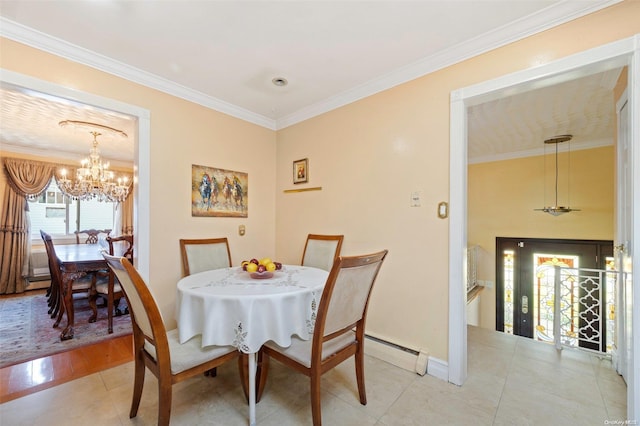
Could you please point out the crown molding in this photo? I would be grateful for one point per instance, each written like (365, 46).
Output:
(545, 19)
(557, 14)
(39, 40)
(591, 144)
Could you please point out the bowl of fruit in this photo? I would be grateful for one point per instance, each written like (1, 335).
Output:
(261, 269)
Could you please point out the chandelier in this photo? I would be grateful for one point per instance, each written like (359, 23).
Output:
(555, 209)
(93, 179)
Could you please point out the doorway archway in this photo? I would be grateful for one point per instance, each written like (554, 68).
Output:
(621, 53)
(141, 151)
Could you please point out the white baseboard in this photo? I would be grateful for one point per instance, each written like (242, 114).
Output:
(438, 368)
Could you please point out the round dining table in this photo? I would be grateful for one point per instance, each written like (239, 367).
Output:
(229, 306)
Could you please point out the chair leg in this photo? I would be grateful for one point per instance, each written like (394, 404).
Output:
(164, 399)
(93, 296)
(138, 384)
(55, 300)
(110, 309)
(359, 358)
(316, 409)
(61, 309)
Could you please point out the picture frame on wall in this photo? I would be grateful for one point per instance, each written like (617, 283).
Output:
(301, 171)
(219, 192)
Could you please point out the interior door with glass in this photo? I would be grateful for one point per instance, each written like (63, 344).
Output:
(525, 291)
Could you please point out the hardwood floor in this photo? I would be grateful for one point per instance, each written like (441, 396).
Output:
(32, 376)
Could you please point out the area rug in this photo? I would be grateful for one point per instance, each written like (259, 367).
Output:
(27, 333)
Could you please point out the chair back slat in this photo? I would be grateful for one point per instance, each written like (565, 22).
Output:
(346, 293)
(320, 251)
(349, 297)
(126, 246)
(143, 309)
(204, 255)
(54, 265)
(93, 235)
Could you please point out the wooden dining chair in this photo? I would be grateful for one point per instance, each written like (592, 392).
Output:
(83, 285)
(156, 348)
(320, 251)
(339, 327)
(204, 254)
(54, 300)
(112, 289)
(92, 235)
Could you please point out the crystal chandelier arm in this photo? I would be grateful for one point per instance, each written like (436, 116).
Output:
(93, 180)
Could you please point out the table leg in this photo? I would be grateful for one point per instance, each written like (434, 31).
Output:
(252, 388)
(67, 294)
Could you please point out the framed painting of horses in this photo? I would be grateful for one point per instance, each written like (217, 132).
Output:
(219, 192)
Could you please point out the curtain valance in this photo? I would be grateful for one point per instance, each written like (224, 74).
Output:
(28, 178)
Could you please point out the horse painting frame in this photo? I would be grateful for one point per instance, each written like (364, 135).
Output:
(219, 192)
(301, 171)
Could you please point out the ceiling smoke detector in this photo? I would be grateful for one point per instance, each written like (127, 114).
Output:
(280, 81)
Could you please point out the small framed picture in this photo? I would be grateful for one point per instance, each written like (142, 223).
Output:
(301, 171)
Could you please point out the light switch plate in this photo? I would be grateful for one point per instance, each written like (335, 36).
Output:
(415, 199)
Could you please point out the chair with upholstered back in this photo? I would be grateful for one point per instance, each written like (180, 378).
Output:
(342, 308)
(156, 348)
(80, 285)
(320, 251)
(123, 246)
(92, 235)
(204, 254)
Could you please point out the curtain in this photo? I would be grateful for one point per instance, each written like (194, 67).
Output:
(124, 217)
(25, 179)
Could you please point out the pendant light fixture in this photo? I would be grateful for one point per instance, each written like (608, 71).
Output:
(556, 209)
(93, 180)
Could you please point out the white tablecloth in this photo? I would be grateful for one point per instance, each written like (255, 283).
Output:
(228, 307)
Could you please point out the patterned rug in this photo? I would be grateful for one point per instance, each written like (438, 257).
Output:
(27, 333)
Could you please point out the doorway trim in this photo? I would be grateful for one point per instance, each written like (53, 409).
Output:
(141, 164)
(612, 55)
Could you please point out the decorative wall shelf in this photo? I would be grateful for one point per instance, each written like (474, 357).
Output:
(315, 188)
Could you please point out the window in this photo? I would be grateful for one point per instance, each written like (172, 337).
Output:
(55, 215)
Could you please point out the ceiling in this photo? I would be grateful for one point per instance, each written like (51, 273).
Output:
(224, 55)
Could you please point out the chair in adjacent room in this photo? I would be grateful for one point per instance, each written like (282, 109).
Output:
(204, 254)
(320, 251)
(83, 285)
(156, 348)
(339, 327)
(112, 289)
(92, 235)
(54, 298)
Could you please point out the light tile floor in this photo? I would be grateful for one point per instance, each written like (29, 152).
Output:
(511, 381)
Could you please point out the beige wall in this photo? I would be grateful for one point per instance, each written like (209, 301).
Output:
(182, 134)
(370, 155)
(367, 156)
(502, 196)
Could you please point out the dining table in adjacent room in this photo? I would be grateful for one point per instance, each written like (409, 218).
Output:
(76, 261)
(230, 306)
